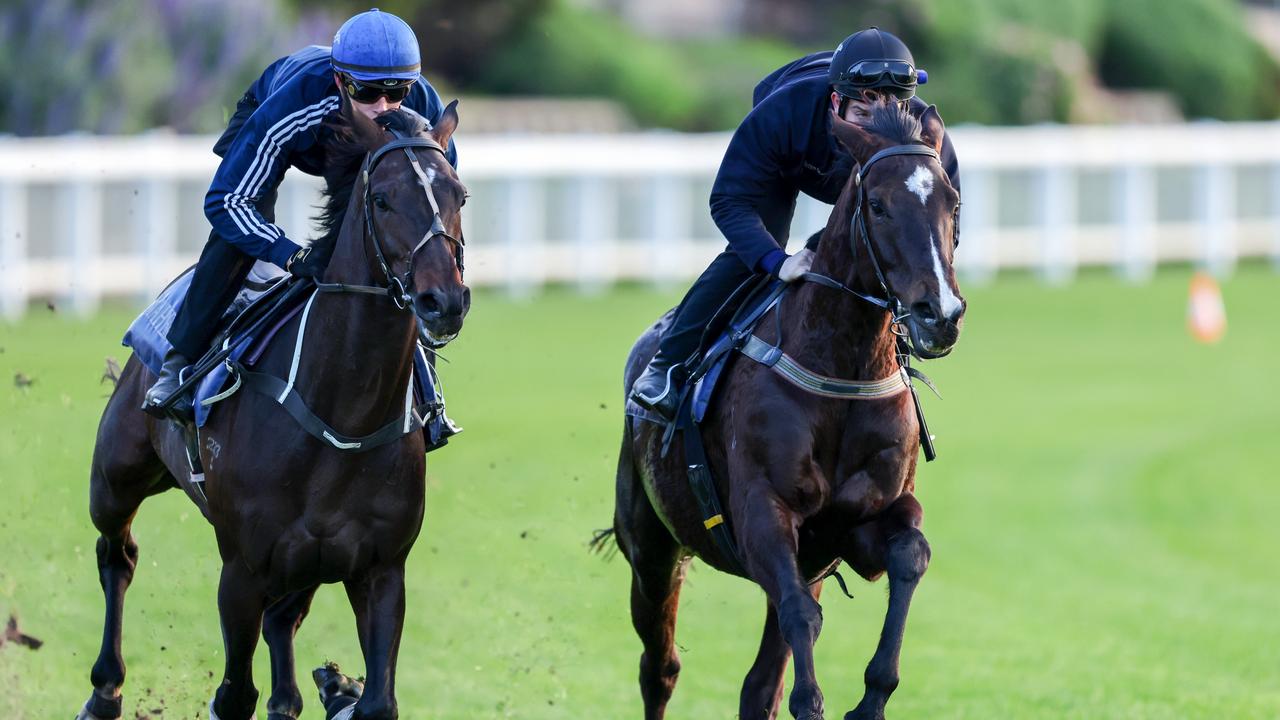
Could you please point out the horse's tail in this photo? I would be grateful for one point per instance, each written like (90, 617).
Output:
(600, 542)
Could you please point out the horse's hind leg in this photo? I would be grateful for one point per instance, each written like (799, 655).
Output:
(279, 625)
(657, 572)
(900, 548)
(125, 472)
(378, 602)
(762, 690)
(241, 603)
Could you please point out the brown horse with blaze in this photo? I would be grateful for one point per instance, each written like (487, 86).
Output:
(808, 481)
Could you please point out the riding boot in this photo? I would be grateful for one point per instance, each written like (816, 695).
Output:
(165, 385)
(658, 388)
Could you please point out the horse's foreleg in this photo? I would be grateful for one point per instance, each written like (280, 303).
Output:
(762, 689)
(240, 606)
(279, 625)
(905, 557)
(766, 534)
(378, 602)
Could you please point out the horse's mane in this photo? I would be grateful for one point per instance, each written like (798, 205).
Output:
(353, 137)
(891, 121)
(894, 122)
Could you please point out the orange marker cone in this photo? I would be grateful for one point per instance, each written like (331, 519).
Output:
(1206, 313)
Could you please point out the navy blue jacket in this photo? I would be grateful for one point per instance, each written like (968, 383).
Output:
(784, 147)
(293, 96)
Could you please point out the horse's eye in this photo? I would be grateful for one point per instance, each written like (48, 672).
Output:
(877, 208)
(380, 202)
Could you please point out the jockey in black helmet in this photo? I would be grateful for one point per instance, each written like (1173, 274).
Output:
(783, 147)
(374, 64)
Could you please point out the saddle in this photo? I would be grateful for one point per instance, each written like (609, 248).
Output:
(245, 332)
(732, 322)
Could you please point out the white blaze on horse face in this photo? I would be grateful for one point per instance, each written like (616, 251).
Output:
(431, 175)
(921, 183)
(947, 298)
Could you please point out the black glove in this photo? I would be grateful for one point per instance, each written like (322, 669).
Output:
(306, 264)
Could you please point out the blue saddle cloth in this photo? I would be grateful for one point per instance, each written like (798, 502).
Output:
(147, 337)
(738, 328)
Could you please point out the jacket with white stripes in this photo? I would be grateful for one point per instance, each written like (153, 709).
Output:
(285, 130)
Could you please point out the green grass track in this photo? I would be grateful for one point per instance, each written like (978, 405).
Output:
(1104, 516)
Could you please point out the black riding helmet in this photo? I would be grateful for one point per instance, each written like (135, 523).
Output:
(873, 59)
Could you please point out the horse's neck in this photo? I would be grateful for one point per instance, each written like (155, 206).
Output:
(831, 332)
(363, 345)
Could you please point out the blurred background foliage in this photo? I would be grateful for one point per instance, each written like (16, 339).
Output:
(130, 65)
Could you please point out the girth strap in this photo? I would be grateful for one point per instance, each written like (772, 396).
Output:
(704, 490)
(783, 364)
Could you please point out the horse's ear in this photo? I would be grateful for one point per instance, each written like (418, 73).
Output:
(932, 130)
(860, 143)
(448, 122)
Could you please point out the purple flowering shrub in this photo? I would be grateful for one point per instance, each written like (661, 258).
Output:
(131, 65)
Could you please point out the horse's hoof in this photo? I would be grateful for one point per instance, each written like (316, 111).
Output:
(213, 715)
(332, 683)
(858, 714)
(96, 708)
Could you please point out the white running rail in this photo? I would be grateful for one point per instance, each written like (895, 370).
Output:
(86, 217)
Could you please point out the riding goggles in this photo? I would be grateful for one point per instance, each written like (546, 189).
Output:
(891, 75)
(368, 91)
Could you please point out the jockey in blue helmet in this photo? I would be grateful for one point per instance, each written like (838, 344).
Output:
(375, 66)
(782, 148)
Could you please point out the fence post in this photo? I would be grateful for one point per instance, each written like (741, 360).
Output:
(159, 234)
(593, 205)
(1058, 213)
(523, 225)
(85, 203)
(671, 233)
(1137, 221)
(13, 249)
(1275, 216)
(1215, 193)
(976, 256)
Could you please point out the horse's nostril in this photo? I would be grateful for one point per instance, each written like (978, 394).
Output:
(923, 311)
(429, 303)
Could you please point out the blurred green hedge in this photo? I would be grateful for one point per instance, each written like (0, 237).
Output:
(690, 85)
(991, 61)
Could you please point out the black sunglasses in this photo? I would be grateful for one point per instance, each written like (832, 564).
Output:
(368, 92)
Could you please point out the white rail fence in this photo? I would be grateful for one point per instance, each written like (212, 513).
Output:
(82, 217)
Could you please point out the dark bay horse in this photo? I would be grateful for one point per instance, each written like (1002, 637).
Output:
(291, 511)
(808, 481)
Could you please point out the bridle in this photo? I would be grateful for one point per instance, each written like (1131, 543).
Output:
(398, 289)
(858, 229)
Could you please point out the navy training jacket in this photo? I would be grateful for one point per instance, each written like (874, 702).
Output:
(285, 130)
(784, 147)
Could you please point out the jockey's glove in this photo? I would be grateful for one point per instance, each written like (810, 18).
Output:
(306, 264)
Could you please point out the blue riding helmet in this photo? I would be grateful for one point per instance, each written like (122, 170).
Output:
(375, 45)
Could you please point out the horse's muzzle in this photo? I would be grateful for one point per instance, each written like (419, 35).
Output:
(442, 312)
(934, 333)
